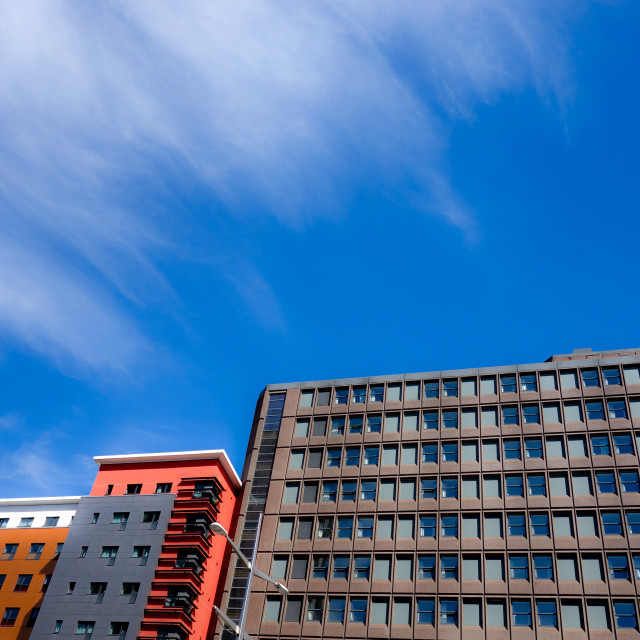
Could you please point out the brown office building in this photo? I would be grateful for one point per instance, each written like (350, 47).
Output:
(498, 503)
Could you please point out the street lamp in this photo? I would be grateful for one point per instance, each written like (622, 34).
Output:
(238, 629)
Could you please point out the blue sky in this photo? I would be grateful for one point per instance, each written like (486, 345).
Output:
(203, 199)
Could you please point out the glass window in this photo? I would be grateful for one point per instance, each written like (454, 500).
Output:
(470, 526)
(352, 458)
(547, 613)
(337, 426)
(449, 452)
(379, 611)
(515, 485)
(389, 455)
(355, 424)
(319, 427)
(488, 385)
(551, 413)
(469, 419)
(489, 417)
(587, 524)
(426, 608)
(469, 387)
(493, 526)
(391, 422)
(407, 489)
(567, 568)
(449, 528)
(427, 567)
(611, 375)
(320, 567)
(542, 567)
(518, 567)
(510, 415)
(573, 411)
(341, 396)
(306, 398)
(469, 451)
(410, 422)
(533, 447)
(336, 609)
(388, 489)
(376, 393)
(394, 392)
(633, 522)
(508, 383)
(562, 524)
(539, 524)
(617, 409)
(490, 450)
(404, 568)
(450, 419)
(310, 492)
(449, 487)
(368, 490)
(611, 523)
(548, 381)
(302, 428)
(358, 612)
(315, 459)
(314, 609)
(625, 614)
(491, 486)
(371, 456)
(555, 447)
(536, 483)
(623, 443)
(409, 454)
(297, 459)
(606, 482)
(449, 612)
(365, 527)
(595, 410)
(590, 378)
(349, 490)
(618, 566)
(412, 391)
(528, 382)
(512, 450)
(568, 379)
(531, 414)
(385, 528)
(382, 568)
(330, 491)
(470, 487)
(405, 527)
(429, 488)
(345, 527)
(577, 446)
(521, 613)
(581, 484)
(431, 388)
(598, 615)
(430, 453)
(430, 420)
(449, 567)
(374, 424)
(450, 388)
(305, 528)
(629, 482)
(334, 457)
(359, 395)
(291, 491)
(471, 567)
(428, 526)
(494, 568)
(361, 567)
(558, 484)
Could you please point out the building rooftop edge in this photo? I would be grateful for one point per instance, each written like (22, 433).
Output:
(18, 502)
(590, 359)
(170, 456)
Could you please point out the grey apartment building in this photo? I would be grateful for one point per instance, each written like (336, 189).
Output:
(500, 502)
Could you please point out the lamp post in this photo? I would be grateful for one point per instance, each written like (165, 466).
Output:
(238, 629)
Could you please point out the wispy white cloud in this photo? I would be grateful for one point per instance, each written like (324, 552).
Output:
(33, 466)
(288, 108)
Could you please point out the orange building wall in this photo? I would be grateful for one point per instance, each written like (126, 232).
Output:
(149, 474)
(26, 600)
